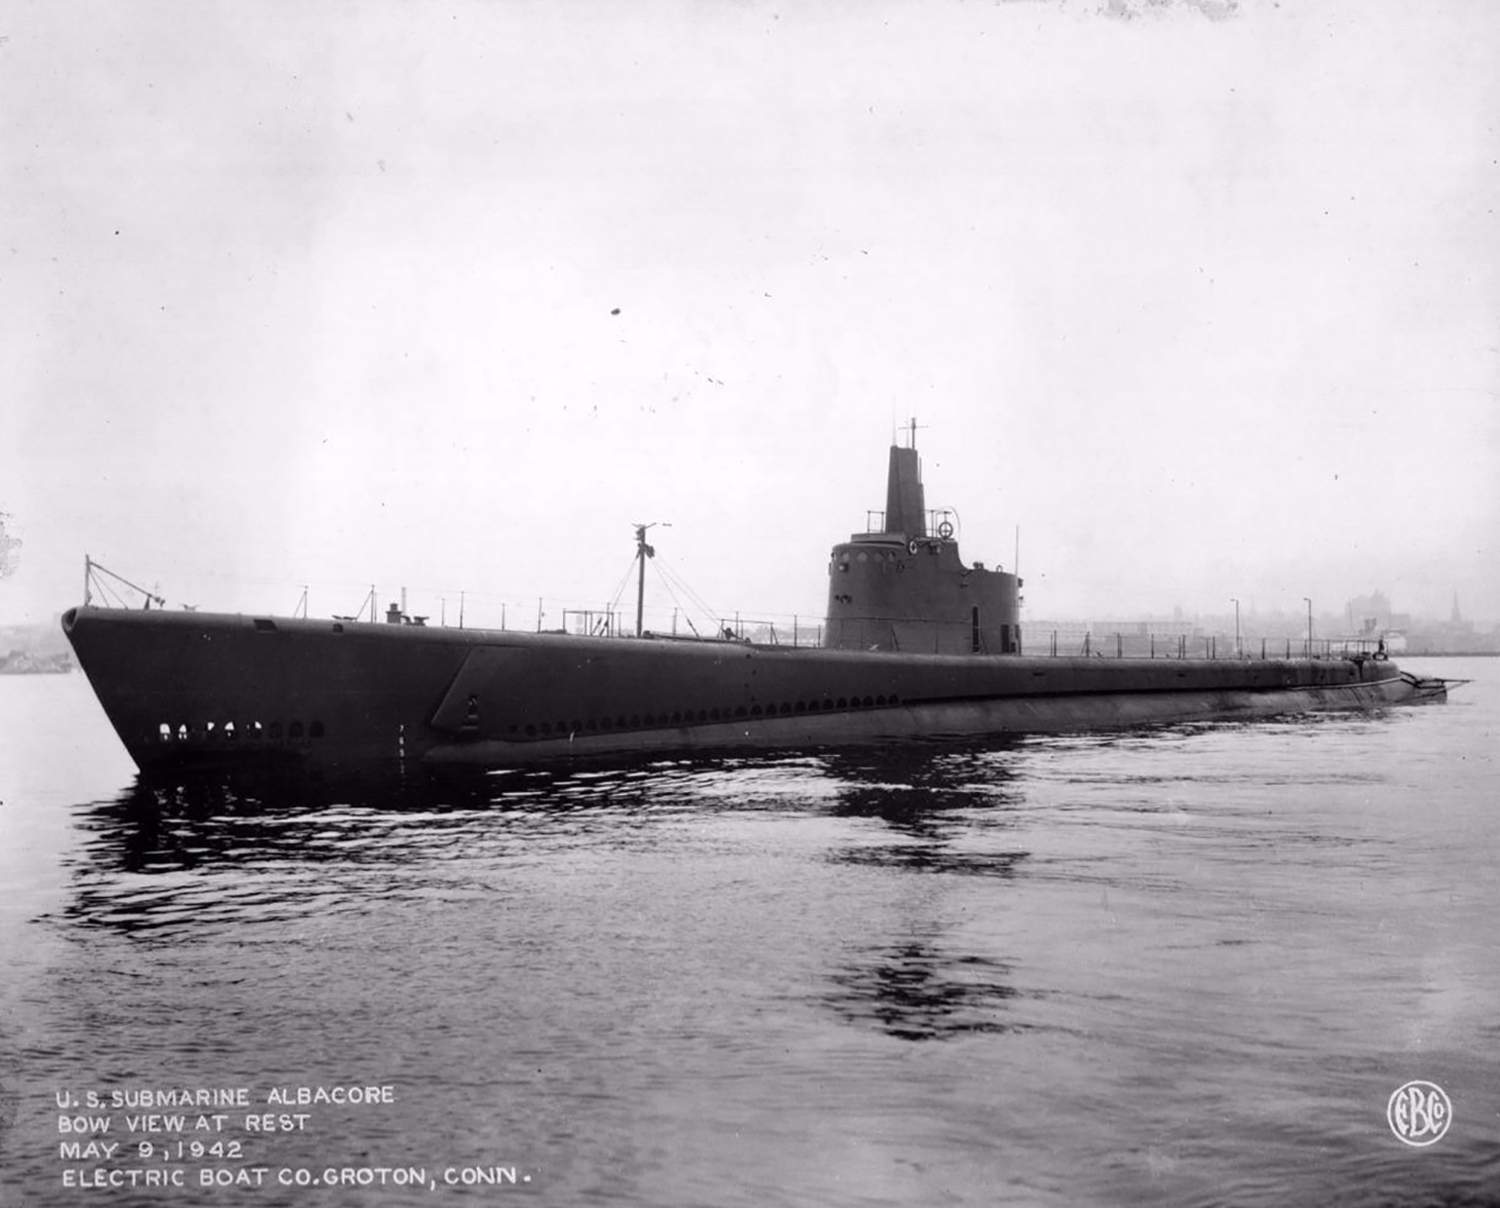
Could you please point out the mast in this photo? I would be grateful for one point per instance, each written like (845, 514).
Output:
(642, 552)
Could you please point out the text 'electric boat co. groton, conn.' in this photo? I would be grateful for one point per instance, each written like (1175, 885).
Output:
(916, 645)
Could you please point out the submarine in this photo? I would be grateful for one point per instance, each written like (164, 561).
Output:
(917, 644)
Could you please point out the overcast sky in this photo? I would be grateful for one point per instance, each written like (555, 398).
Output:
(1201, 296)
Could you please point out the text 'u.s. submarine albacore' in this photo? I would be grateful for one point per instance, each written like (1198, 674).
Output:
(916, 645)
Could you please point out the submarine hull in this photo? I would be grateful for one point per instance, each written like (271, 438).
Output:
(200, 689)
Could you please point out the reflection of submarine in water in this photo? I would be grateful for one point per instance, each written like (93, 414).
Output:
(917, 644)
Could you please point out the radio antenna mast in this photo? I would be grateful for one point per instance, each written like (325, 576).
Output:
(642, 552)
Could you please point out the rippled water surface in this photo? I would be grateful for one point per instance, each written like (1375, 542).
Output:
(1180, 966)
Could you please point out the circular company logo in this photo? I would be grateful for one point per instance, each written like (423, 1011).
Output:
(1419, 1113)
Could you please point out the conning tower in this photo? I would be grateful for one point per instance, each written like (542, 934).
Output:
(904, 587)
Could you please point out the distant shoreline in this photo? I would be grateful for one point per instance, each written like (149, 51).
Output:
(32, 664)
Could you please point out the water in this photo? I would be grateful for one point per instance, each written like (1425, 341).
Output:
(1182, 966)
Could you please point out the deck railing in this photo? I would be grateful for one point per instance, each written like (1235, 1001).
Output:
(455, 609)
(788, 631)
(1203, 646)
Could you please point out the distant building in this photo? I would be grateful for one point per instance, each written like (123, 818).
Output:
(1370, 620)
(1368, 614)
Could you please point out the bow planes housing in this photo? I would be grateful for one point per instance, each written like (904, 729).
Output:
(917, 645)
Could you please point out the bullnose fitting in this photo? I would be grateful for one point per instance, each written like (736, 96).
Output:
(68, 618)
